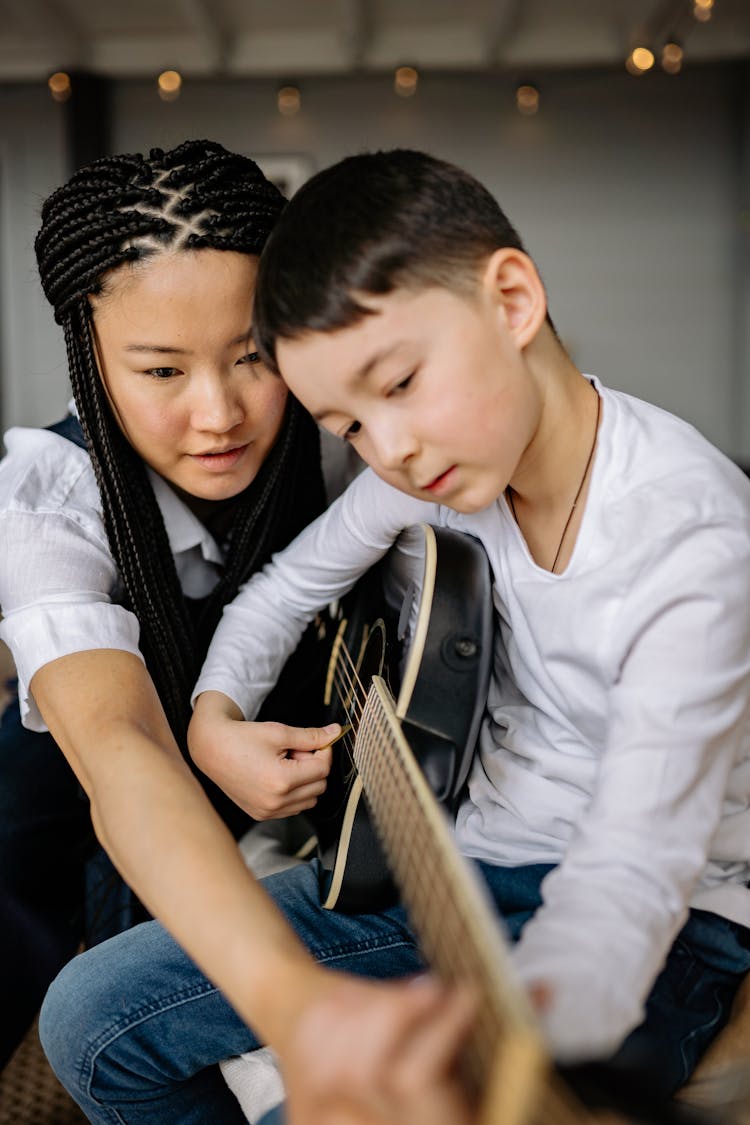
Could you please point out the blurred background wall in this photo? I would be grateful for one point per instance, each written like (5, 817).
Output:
(632, 192)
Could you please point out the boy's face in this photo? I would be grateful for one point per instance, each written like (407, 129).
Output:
(430, 388)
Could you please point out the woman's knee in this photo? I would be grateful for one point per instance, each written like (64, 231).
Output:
(133, 1017)
(65, 1013)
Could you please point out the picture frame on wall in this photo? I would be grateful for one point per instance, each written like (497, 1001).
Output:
(288, 171)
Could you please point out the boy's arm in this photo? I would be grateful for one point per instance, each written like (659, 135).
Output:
(260, 630)
(677, 721)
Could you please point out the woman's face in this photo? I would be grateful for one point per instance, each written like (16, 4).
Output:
(173, 337)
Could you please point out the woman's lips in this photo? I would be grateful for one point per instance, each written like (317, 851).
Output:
(220, 462)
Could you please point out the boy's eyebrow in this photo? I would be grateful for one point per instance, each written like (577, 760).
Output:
(365, 369)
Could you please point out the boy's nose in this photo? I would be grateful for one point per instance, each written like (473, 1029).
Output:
(396, 445)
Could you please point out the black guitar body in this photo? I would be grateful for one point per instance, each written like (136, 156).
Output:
(440, 684)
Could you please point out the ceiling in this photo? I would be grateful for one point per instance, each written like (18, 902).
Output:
(293, 38)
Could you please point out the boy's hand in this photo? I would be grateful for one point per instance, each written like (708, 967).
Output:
(382, 1053)
(270, 770)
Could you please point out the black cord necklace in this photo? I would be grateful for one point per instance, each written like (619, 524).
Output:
(509, 490)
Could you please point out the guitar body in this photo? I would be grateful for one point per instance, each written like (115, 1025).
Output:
(440, 682)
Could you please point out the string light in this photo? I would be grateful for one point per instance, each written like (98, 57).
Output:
(672, 57)
(288, 100)
(527, 99)
(640, 60)
(59, 86)
(703, 10)
(169, 84)
(405, 81)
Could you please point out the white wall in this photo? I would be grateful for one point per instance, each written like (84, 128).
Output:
(32, 162)
(626, 191)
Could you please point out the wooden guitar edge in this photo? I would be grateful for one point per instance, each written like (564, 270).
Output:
(416, 648)
(342, 851)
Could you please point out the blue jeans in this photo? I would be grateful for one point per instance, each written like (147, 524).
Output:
(134, 1030)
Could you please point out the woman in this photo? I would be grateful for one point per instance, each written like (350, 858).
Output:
(117, 558)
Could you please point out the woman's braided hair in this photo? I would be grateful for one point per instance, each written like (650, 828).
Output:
(121, 209)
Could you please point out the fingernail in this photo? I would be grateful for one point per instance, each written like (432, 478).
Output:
(332, 728)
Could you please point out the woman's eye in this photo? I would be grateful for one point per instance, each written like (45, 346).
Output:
(352, 431)
(251, 357)
(162, 372)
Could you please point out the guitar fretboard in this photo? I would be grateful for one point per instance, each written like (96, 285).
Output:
(458, 931)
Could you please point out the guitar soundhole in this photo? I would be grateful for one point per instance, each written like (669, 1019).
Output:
(356, 664)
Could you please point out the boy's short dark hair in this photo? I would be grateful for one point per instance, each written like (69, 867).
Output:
(370, 224)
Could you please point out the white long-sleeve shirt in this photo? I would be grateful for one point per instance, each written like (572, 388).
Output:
(617, 737)
(60, 591)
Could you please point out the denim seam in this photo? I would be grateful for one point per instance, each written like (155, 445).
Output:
(346, 949)
(127, 1023)
(704, 1027)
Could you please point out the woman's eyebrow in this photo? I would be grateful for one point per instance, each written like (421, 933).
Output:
(161, 348)
(168, 349)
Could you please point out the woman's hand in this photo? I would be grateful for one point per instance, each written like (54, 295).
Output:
(375, 1053)
(270, 770)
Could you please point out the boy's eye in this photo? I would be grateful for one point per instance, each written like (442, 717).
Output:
(352, 431)
(251, 357)
(402, 385)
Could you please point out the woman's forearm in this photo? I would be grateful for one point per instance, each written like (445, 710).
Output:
(162, 834)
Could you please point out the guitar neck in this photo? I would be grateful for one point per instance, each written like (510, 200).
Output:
(458, 931)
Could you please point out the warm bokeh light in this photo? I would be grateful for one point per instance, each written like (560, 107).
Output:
(289, 100)
(672, 57)
(527, 100)
(169, 83)
(640, 60)
(703, 10)
(405, 81)
(59, 86)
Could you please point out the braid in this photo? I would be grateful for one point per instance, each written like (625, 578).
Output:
(122, 209)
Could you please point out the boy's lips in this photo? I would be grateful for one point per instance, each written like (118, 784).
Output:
(440, 482)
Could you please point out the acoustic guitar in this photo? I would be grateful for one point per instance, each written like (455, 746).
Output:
(440, 678)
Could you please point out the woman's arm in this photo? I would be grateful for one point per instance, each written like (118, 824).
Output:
(157, 825)
(153, 818)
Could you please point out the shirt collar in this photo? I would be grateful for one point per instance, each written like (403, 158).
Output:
(184, 529)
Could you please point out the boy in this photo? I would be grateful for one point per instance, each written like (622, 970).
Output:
(608, 802)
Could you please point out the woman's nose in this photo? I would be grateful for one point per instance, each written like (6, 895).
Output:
(216, 407)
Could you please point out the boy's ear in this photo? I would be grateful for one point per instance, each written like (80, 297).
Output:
(512, 282)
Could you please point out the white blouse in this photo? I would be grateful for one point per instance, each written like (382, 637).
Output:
(59, 588)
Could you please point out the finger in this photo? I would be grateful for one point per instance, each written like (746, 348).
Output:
(540, 994)
(303, 738)
(323, 758)
(435, 1038)
(303, 793)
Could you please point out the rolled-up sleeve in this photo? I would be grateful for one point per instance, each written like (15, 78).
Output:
(56, 583)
